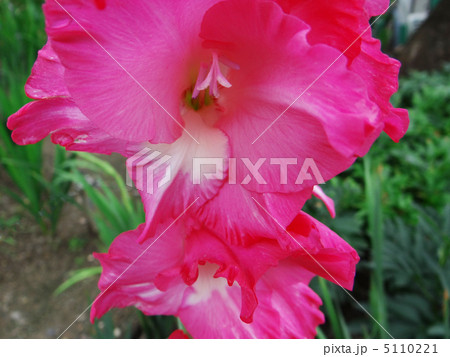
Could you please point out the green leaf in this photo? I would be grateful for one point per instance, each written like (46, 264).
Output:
(77, 276)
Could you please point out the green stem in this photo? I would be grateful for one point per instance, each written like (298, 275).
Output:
(375, 219)
(330, 310)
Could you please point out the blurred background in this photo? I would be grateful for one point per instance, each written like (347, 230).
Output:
(393, 206)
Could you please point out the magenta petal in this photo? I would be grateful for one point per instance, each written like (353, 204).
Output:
(130, 269)
(322, 251)
(164, 173)
(131, 82)
(67, 125)
(47, 76)
(296, 303)
(336, 23)
(380, 73)
(329, 203)
(234, 215)
(245, 265)
(376, 7)
(344, 24)
(278, 63)
(287, 308)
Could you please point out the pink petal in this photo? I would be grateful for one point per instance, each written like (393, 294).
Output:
(287, 308)
(47, 76)
(322, 251)
(296, 303)
(68, 127)
(276, 64)
(329, 203)
(335, 23)
(130, 269)
(380, 72)
(211, 308)
(55, 113)
(157, 54)
(376, 7)
(234, 215)
(344, 25)
(173, 197)
(245, 265)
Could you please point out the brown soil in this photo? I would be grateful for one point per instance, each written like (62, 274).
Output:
(33, 265)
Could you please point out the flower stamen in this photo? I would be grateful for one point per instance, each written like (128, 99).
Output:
(210, 79)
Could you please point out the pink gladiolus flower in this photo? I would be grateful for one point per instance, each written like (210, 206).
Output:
(245, 81)
(205, 78)
(203, 280)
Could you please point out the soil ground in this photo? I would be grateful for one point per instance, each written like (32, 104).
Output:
(33, 265)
